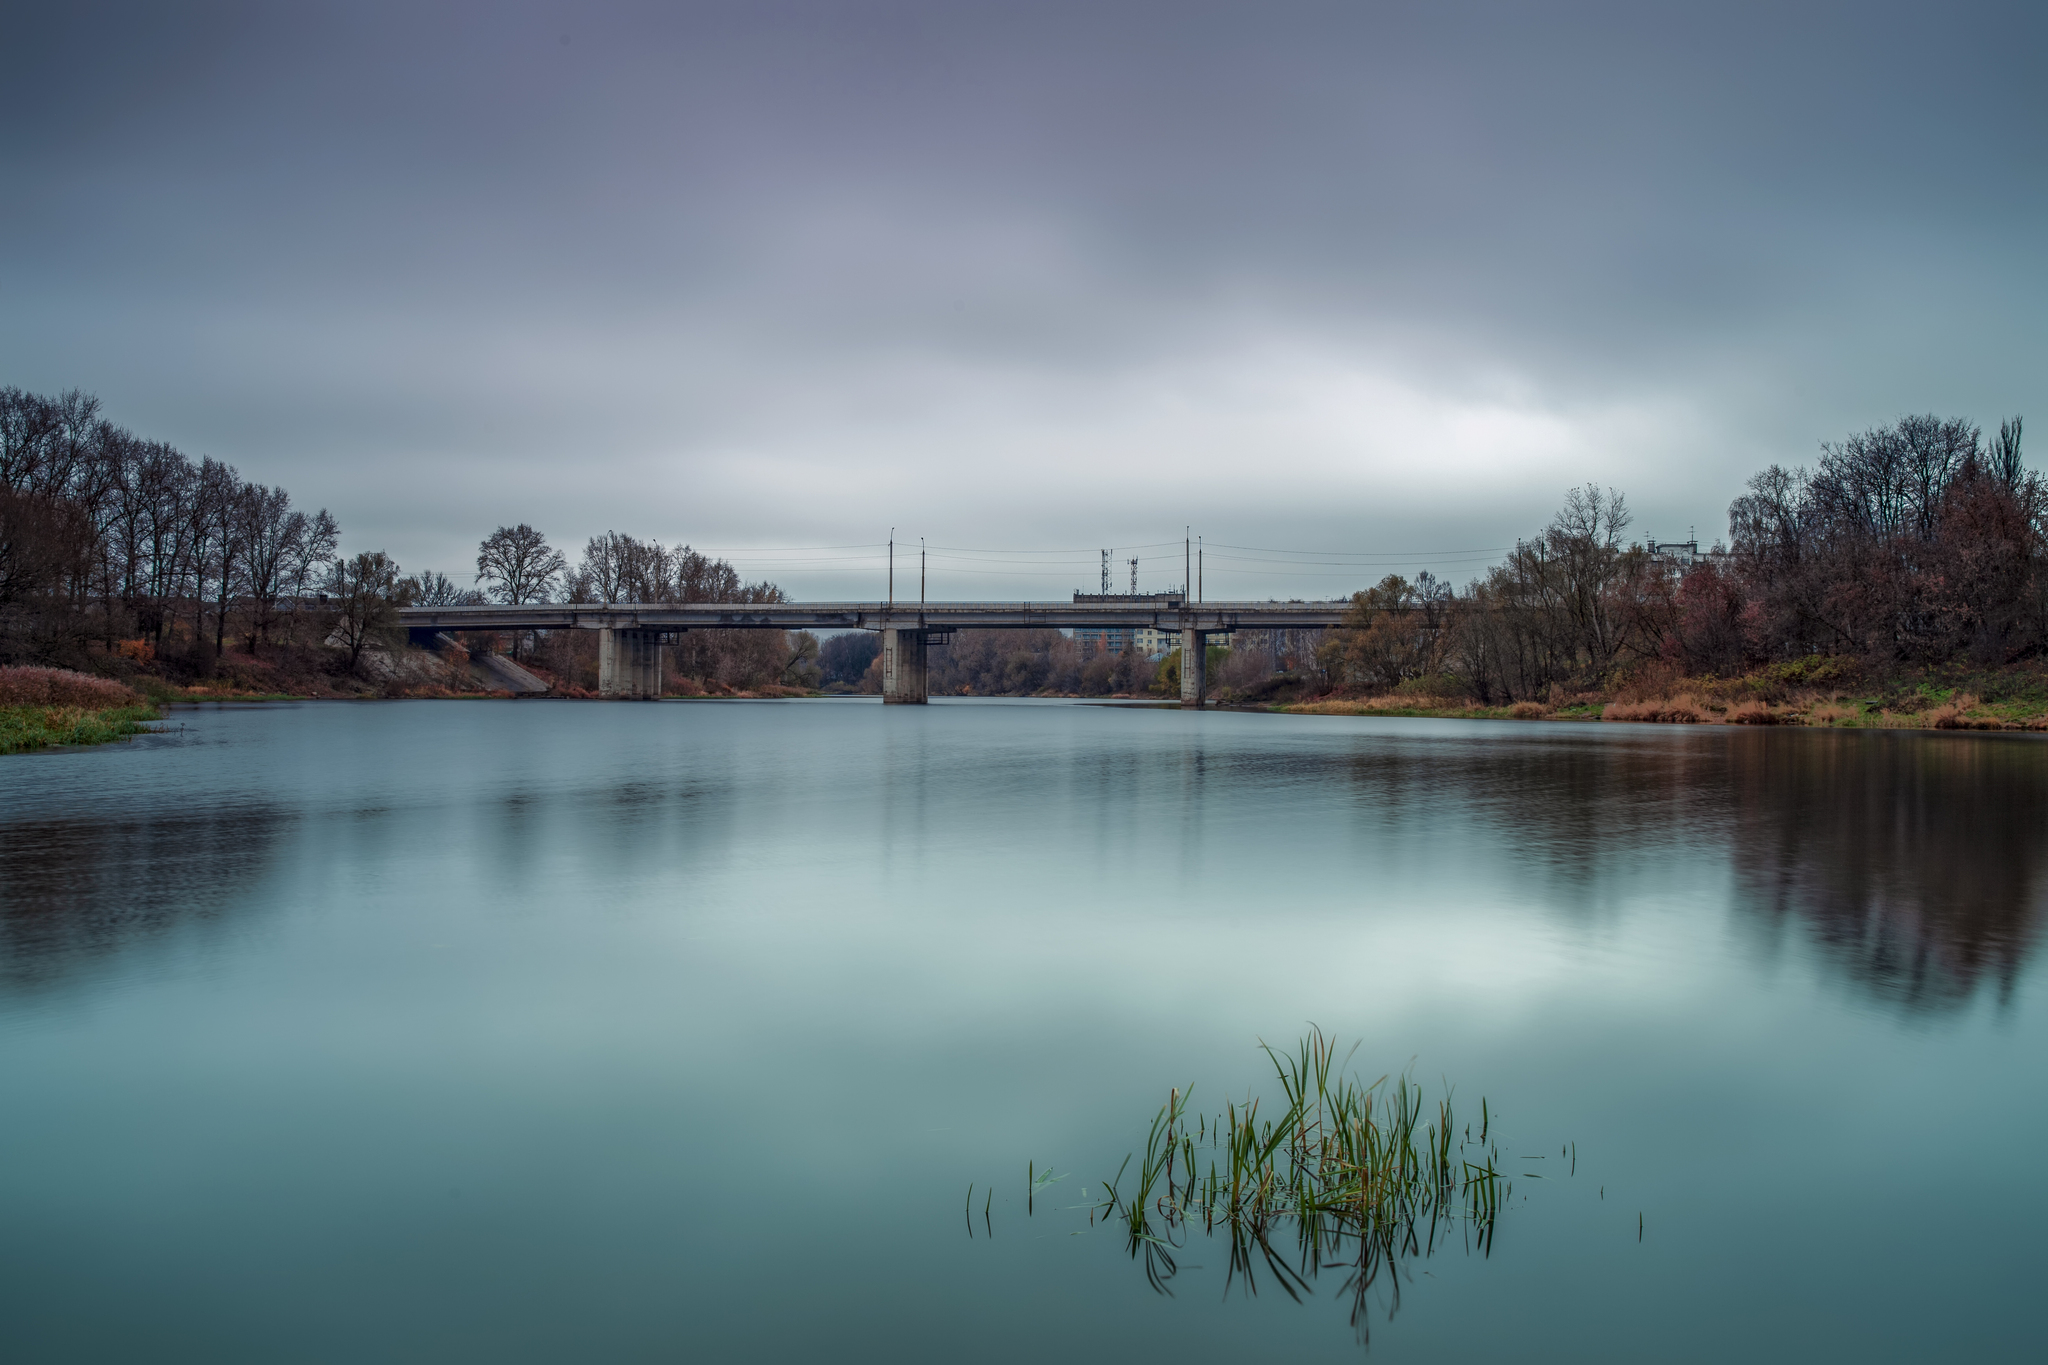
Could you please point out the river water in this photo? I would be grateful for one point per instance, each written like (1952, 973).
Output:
(536, 1031)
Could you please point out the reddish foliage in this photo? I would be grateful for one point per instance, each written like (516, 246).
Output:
(62, 687)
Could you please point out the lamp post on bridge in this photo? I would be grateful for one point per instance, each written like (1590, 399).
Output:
(906, 679)
(1194, 643)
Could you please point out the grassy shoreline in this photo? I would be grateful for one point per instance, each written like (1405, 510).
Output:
(1921, 708)
(1870, 716)
(27, 728)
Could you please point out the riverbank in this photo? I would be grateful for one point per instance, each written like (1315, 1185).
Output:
(45, 707)
(385, 670)
(1821, 692)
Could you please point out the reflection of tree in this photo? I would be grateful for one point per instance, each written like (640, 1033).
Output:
(74, 892)
(1914, 859)
(1574, 807)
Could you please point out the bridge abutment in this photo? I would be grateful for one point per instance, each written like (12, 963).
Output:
(906, 677)
(1194, 668)
(629, 663)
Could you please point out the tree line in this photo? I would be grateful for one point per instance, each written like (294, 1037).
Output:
(108, 539)
(516, 564)
(1921, 542)
(114, 545)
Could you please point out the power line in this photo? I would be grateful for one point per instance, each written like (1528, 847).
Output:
(1373, 554)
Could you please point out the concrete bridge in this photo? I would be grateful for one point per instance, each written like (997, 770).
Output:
(630, 633)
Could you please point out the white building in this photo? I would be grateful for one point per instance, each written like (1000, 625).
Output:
(1154, 642)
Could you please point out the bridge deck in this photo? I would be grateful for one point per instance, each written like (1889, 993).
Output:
(1209, 616)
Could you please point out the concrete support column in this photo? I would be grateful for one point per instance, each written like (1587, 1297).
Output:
(1194, 668)
(906, 681)
(629, 663)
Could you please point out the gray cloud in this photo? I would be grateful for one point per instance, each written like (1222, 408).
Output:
(1339, 276)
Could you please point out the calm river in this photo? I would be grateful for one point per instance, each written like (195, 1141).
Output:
(435, 1031)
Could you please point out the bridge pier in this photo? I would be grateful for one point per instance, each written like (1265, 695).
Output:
(906, 678)
(1194, 668)
(629, 663)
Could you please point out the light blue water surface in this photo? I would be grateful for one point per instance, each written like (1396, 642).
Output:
(428, 1031)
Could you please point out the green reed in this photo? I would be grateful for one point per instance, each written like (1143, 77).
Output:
(1352, 1175)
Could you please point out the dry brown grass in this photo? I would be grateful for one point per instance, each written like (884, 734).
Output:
(1528, 710)
(1684, 709)
(1954, 714)
(62, 687)
(1829, 713)
(1757, 713)
(1651, 681)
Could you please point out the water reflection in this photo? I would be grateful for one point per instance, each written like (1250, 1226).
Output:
(514, 1026)
(1915, 861)
(74, 893)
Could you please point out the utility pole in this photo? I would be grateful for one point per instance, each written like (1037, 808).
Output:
(1198, 568)
(1105, 573)
(1134, 578)
(892, 568)
(1186, 564)
(920, 577)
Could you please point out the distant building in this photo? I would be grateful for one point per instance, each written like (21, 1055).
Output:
(1153, 642)
(1156, 642)
(1680, 557)
(1117, 639)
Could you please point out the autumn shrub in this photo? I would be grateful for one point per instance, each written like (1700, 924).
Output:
(1753, 713)
(25, 686)
(1955, 715)
(1680, 710)
(1528, 710)
(1650, 681)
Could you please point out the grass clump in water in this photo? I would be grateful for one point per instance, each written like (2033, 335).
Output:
(1342, 1176)
(38, 727)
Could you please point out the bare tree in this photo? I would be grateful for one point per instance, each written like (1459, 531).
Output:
(1584, 542)
(606, 566)
(430, 589)
(202, 522)
(362, 590)
(269, 530)
(519, 565)
(309, 557)
(2004, 455)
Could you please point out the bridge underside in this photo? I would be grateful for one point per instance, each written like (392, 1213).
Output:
(630, 634)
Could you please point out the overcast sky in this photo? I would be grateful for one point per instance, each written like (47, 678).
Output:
(1360, 279)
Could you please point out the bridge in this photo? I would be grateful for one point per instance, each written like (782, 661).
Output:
(630, 633)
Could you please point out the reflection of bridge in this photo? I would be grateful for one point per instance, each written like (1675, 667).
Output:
(629, 634)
